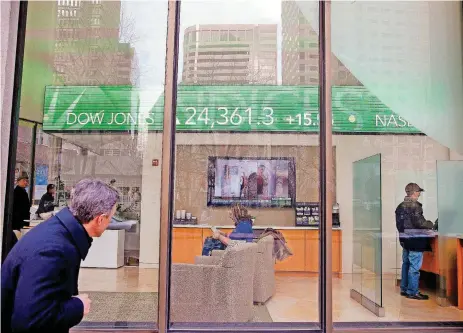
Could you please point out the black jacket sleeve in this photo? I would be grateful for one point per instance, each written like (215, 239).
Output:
(41, 208)
(419, 222)
(46, 204)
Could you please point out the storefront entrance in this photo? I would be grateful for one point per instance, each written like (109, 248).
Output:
(258, 155)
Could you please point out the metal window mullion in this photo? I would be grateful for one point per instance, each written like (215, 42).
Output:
(326, 169)
(14, 123)
(168, 161)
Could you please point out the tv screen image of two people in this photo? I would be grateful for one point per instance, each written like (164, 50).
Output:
(259, 182)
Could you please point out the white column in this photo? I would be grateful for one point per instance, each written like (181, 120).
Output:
(150, 202)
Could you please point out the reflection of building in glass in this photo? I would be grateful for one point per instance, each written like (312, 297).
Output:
(300, 51)
(93, 46)
(230, 54)
(88, 50)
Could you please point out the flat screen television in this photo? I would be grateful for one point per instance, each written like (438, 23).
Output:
(252, 182)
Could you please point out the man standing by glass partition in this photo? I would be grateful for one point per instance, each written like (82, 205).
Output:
(414, 235)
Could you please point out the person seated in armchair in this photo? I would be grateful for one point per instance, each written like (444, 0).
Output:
(243, 227)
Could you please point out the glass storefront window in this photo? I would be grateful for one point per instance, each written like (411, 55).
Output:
(246, 172)
(24, 149)
(245, 225)
(94, 78)
(399, 65)
(45, 158)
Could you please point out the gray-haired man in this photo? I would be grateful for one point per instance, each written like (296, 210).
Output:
(40, 274)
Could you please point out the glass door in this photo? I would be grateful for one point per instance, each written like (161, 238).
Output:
(245, 223)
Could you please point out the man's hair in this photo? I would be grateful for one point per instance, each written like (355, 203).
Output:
(91, 198)
(50, 187)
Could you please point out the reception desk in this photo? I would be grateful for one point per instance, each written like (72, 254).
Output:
(303, 241)
(446, 260)
(460, 270)
(106, 251)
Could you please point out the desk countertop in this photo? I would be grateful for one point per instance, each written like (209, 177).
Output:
(207, 226)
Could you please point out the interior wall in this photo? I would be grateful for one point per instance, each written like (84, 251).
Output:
(404, 159)
(454, 156)
(191, 180)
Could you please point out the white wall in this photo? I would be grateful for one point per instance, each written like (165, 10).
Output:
(151, 178)
(454, 156)
(404, 159)
(8, 30)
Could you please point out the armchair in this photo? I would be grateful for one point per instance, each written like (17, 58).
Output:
(215, 289)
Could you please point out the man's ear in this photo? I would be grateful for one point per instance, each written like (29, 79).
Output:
(99, 219)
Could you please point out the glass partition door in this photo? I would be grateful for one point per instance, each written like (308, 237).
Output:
(450, 231)
(367, 247)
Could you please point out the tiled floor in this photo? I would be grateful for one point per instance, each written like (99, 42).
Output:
(295, 300)
(125, 279)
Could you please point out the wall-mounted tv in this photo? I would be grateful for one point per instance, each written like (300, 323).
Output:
(253, 182)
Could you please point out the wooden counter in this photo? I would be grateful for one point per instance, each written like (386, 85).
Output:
(460, 271)
(304, 242)
(447, 264)
(431, 259)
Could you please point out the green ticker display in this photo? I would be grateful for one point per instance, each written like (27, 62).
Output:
(217, 109)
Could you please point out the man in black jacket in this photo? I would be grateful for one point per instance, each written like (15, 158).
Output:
(47, 202)
(21, 203)
(414, 235)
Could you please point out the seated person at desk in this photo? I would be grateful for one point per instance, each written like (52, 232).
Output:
(47, 203)
(415, 233)
(243, 227)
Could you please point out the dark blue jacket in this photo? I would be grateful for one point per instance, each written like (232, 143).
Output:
(243, 231)
(39, 277)
(414, 230)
